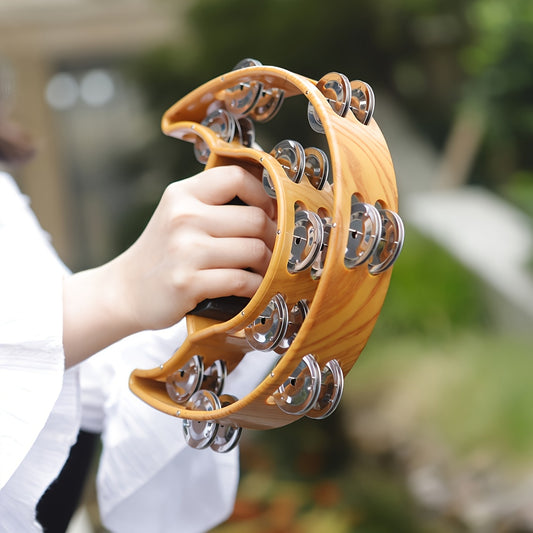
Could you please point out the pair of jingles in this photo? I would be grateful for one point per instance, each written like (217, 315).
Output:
(338, 234)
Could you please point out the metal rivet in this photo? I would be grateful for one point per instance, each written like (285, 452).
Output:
(178, 412)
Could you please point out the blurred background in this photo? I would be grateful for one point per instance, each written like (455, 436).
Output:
(435, 429)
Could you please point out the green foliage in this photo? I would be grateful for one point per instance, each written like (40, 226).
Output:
(430, 293)
(469, 391)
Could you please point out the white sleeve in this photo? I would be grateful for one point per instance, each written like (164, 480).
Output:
(148, 478)
(39, 412)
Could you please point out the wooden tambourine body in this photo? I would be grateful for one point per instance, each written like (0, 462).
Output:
(343, 303)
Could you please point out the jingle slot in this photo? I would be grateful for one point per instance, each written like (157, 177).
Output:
(332, 385)
(363, 101)
(307, 240)
(297, 315)
(215, 377)
(390, 242)
(200, 434)
(337, 90)
(291, 156)
(300, 391)
(224, 126)
(316, 167)
(183, 383)
(227, 435)
(269, 328)
(363, 234)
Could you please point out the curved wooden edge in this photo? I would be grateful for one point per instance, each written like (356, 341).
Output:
(339, 324)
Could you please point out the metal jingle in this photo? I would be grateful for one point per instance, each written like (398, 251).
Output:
(200, 434)
(242, 98)
(215, 376)
(247, 62)
(363, 235)
(201, 151)
(318, 265)
(316, 167)
(246, 131)
(183, 383)
(307, 240)
(291, 156)
(390, 244)
(268, 185)
(227, 435)
(363, 101)
(332, 385)
(268, 104)
(297, 314)
(223, 124)
(300, 391)
(337, 90)
(269, 328)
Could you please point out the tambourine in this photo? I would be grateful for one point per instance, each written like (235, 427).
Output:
(338, 234)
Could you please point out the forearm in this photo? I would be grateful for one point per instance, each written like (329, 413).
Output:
(94, 313)
(194, 247)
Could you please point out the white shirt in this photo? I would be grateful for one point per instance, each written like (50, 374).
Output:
(149, 480)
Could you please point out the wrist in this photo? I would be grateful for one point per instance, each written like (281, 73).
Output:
(95, 312)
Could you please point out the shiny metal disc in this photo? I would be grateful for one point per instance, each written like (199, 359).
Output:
(268, 185)
(227, 435)
(316, 167)
(247, 62)
(183, 383)
(318, 265)
(297, 314)
(200, 434)
(291, 156)
(332, 385)
(390, 244)
(363, 101)
(215, 376)
(223, 124)
(201, 151)
(268, 105)
(363, 234)
(269, 328)
(308, 236)
(338, 92)
(246, 130)
(300, 391)
(242, 98)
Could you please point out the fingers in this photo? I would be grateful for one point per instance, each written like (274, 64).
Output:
(233, 253)
(239, 221)
(219, 185)
(226, 282)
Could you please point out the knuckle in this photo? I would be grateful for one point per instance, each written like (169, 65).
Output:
(259, 251)
(240, 282)
(258, 220)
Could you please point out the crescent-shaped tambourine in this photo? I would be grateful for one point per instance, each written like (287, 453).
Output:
(338, 235)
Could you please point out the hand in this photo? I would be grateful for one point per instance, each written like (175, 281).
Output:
(194, 247)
